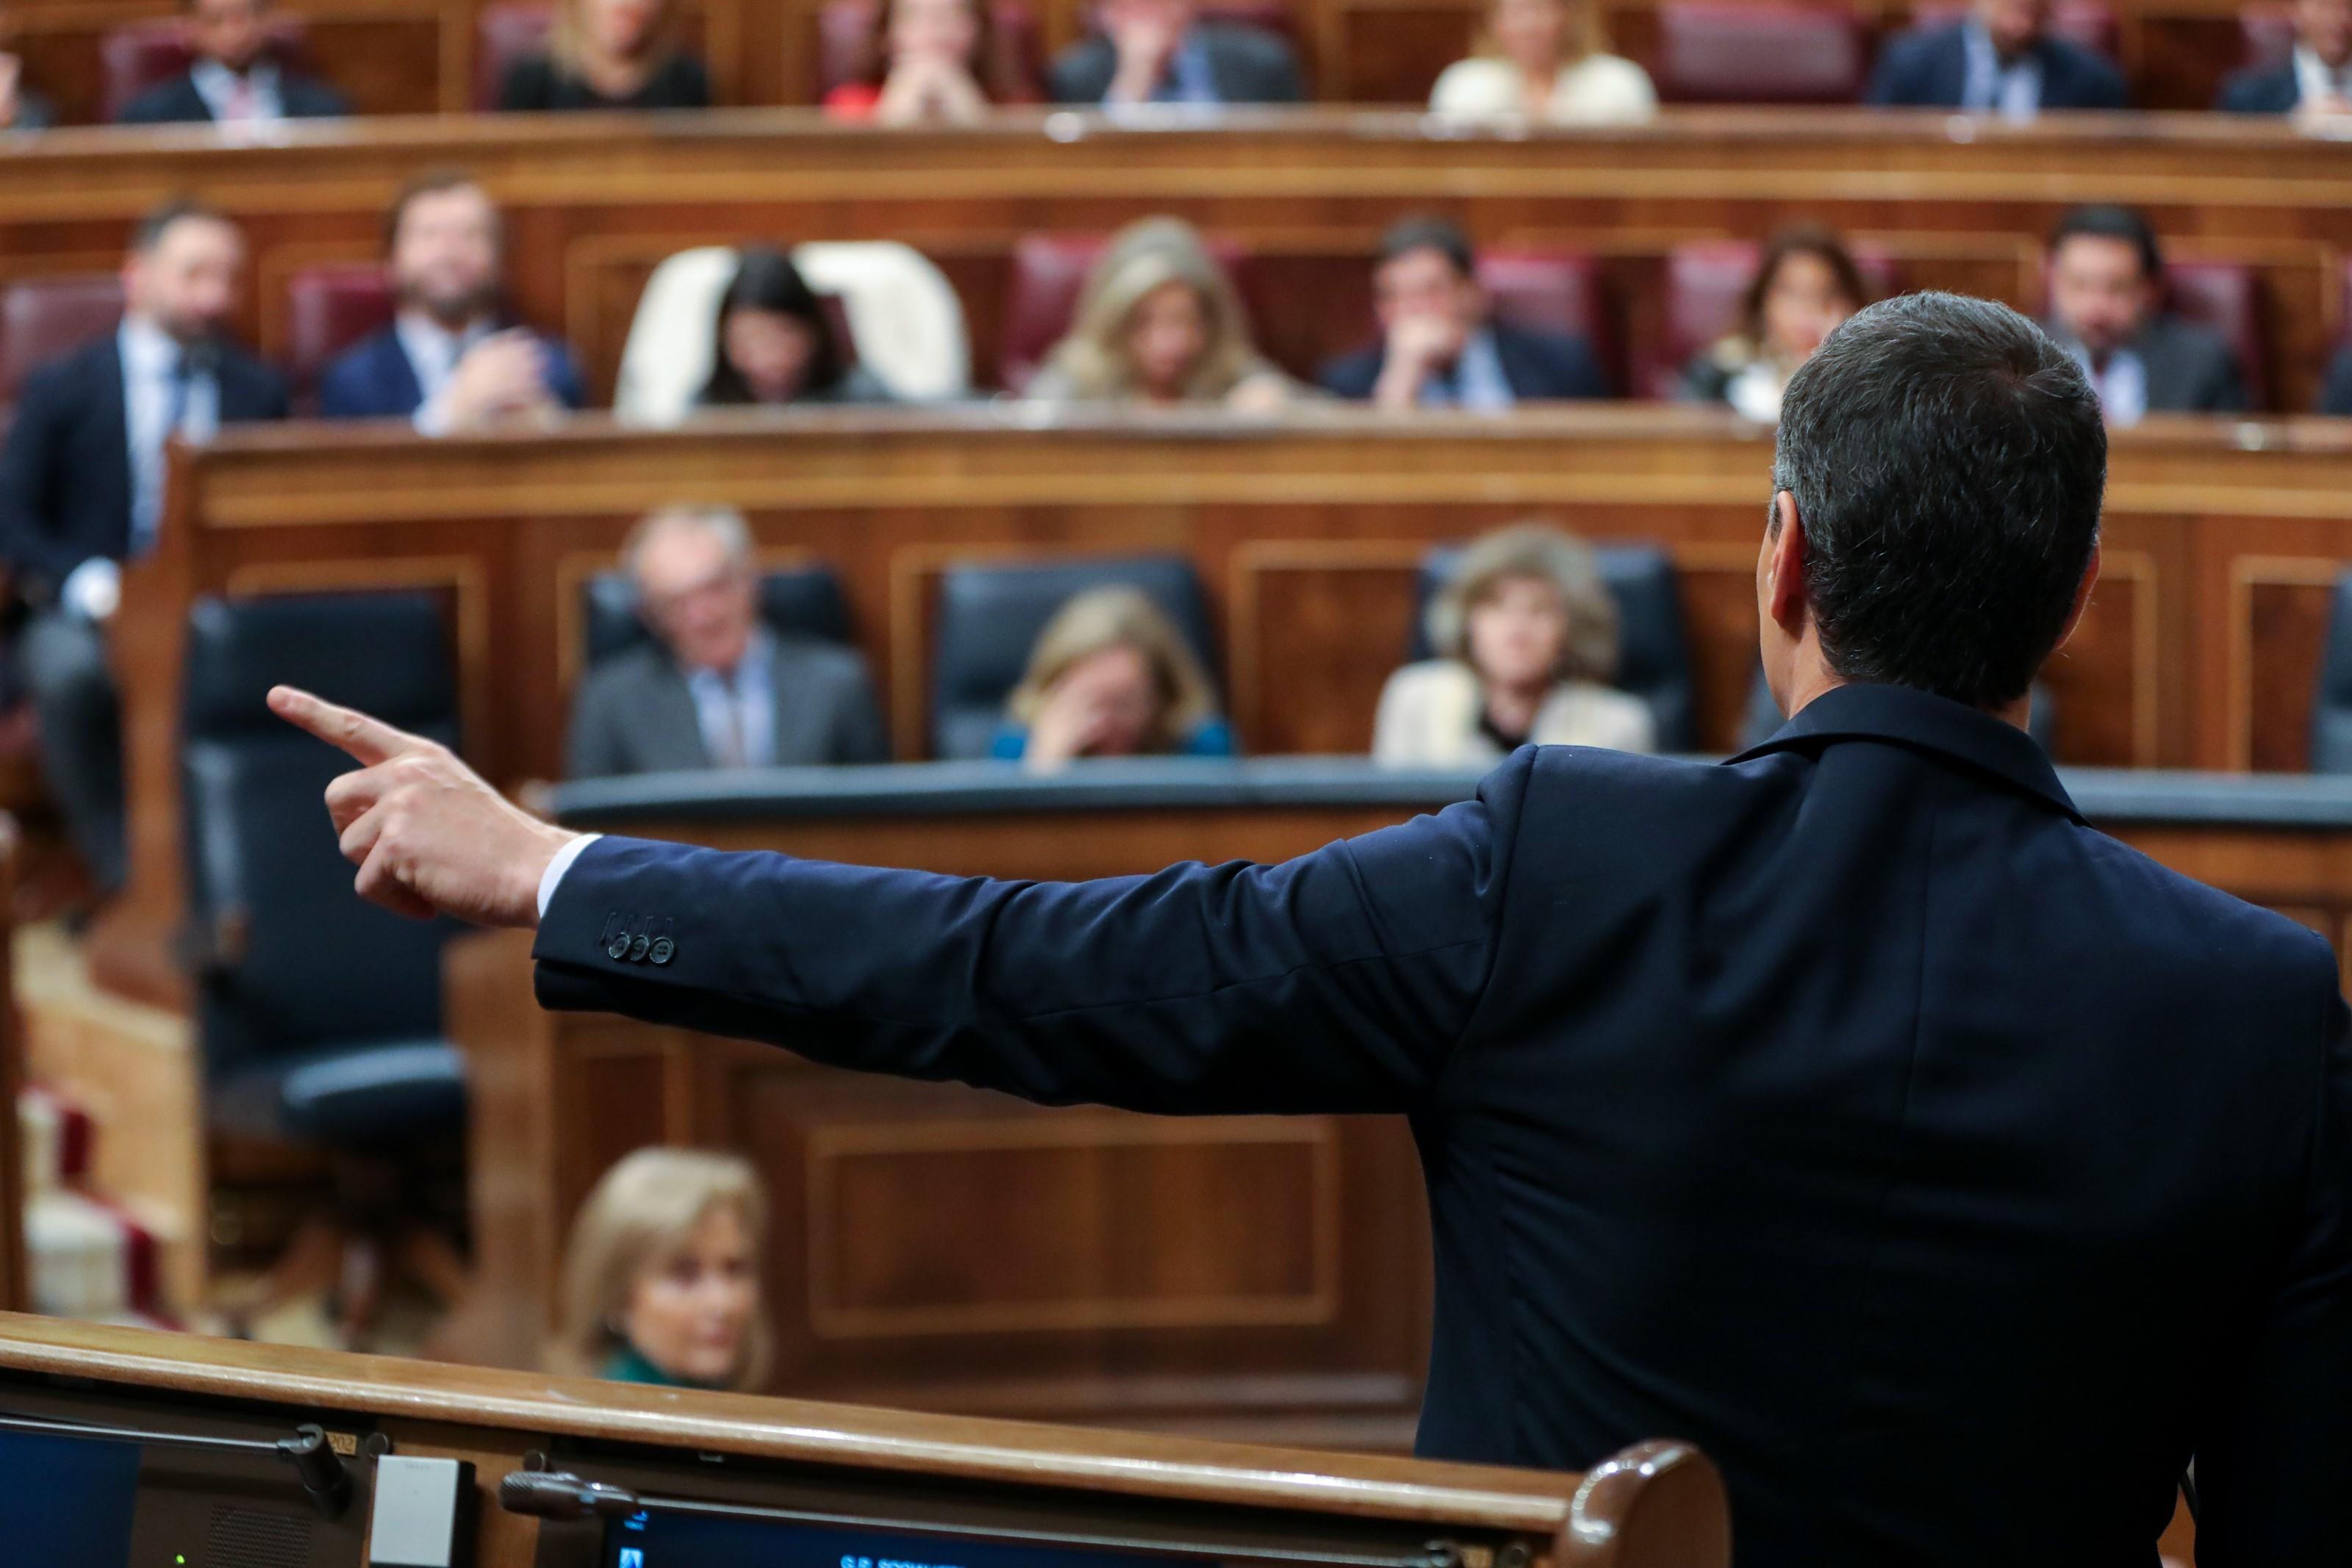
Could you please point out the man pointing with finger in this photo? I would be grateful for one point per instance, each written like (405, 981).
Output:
(1851, 1109)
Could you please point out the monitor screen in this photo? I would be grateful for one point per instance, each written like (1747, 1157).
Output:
(659, 1540)
(67, 1499)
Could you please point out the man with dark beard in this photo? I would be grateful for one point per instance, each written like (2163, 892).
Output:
(449, 362)
(81, 490)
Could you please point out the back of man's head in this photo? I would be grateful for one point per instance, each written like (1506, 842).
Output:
(1947, 458)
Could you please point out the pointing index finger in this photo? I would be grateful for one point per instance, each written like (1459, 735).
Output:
(369, 740)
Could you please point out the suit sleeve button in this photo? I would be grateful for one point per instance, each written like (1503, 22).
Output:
(663, 948)
(618, 948)
(638, 949)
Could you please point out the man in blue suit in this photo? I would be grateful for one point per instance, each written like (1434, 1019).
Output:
(1441, 345)
(2001, 59)
(2315, 82)
(1949, 1172)
(449, 362)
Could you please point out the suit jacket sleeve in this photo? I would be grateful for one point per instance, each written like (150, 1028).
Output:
(29, 497)
(343, 391)
(1082, 73)
(1894, 82)
(2271, 1461)
(2225, 387)
(1335, 982)
(1353, 376)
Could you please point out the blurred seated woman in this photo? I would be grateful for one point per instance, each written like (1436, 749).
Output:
(1541, 61)
(661, 1281)
(1526, 637)
(1159, 322)
(1805, 285)
(776, 343)
(938, 62)
(1111, 676)
(609, 54)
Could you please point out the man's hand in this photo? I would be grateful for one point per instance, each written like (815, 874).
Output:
(428, 835)
(1419, 346)
(1145, 41)
(502, 376)
(11, 72)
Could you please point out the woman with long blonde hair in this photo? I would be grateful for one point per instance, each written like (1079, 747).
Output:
(1160, 322)
(1111, 676)
(609, 54)
(661, 1280)
(1545, 62)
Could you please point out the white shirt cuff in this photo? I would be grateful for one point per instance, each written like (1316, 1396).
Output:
(93, 589)
(557, 866)
(432, 417)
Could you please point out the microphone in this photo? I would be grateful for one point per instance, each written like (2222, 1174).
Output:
(555, 1494)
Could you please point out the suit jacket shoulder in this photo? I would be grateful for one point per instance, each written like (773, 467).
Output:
(1353, 375)
(307, 97)
(633, 714)
(2260, 89)
(2075, 78)
(1251, 65)
(1921, 68)
(173, 102)
(249, 389)
(1082, 73)
(2191, 369)
(369, 380)
(1544, 366)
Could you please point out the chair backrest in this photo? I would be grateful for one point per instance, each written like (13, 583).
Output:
(2267, 35)
(1653, 655)
(988, 619)
(844, 48)
(901, 314)
(1706, 283)
(2331, 700)
(1767, 51)
(42, 318)
(1041, 300)
(309, 965)
(1556, 292)
(2089, 23)
(328, 309)
(806, 601)
(137, 55)
(503, 34)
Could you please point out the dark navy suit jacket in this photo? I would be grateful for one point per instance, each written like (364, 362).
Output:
(177, 101)
(1540, 366)
(1948, 1171)
(1929, 68)
(65, 475)
(2261, 89)
(374, 380)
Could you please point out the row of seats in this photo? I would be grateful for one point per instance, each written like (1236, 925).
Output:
(330, 306)
(1708, 51)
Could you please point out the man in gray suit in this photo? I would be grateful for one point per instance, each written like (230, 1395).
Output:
(716, 689)
(2106, 304)
(1158, 51)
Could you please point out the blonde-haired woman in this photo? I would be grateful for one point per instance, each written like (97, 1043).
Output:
(661, 1282)
(1542, 61)
(1159, 322)
(609, 54)
(1111, 676)
(1526, 637)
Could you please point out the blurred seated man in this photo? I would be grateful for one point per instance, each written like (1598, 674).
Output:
(2106, 304)
(1158, 51)
(1111, 676)
(2001, 59)
(1440, 345)
(233, 81)
(21, 109)
(2314, 81)
(449, 362)
(661, 1277)
(715, 687)
(81, 489)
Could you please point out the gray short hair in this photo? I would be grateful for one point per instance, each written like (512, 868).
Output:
(724, 523)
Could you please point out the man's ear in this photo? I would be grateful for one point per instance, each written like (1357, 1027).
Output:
(1784, 567)
(2081, 597)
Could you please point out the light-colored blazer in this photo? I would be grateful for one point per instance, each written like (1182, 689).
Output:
(1598, 90)
(1429, 718)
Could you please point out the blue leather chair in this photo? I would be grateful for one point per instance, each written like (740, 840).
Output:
(989, 618)
(805, 600)
(320, 1015)
(1653, 659)
(2331, 704)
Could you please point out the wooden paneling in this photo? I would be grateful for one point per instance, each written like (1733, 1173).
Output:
(593, 204)
(1305, 534)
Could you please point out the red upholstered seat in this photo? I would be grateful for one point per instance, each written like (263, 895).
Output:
(1768, 51)
(1706, 283)
(2226, 296)
(504, 34)
(328, 309)
(1554, 291)
(845, 39)
(140, 55)
(2090, 23)
(42, 318)
(1049, 272)
(2269, 34)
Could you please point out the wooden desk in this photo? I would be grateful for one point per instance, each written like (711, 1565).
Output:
(1661, 1508)
(2222, 541)
(411, 57)
(946, 1247)
(595, 203)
